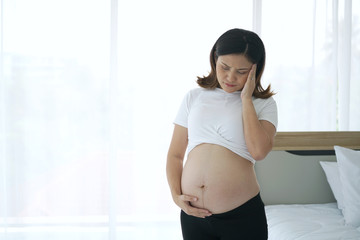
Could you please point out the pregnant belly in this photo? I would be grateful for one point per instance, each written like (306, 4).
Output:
(219, 179)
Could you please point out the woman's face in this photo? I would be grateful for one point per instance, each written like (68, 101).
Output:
(232, 71)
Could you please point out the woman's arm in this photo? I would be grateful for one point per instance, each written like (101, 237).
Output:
(175, 158)
(174, 167)
(259, 134)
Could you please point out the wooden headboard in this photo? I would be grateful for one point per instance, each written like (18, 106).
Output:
(289, 141)
(288, 176)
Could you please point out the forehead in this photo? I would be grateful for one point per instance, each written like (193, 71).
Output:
(235, 60)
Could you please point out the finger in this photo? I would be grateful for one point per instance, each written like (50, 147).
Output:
(188, 198)
(253, 72)
(198, 212)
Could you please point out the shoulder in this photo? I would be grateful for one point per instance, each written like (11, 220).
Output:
(197, 92)
(264, 101)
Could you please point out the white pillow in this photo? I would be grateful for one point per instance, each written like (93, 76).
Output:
(333, 177)
(349, 170)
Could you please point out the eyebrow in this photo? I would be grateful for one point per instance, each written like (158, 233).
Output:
(240, 69)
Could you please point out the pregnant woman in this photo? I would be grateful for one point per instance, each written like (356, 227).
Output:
(224, 127)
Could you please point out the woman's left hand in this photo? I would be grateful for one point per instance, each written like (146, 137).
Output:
(249, 86)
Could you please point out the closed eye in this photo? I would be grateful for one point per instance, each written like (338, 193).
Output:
(225, 67)
(241, 71)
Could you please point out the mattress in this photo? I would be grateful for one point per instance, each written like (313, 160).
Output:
(308, 222)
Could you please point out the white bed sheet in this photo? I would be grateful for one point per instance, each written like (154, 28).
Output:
(308, 222)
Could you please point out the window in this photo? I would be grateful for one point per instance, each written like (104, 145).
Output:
(313, 54)
(89, 90)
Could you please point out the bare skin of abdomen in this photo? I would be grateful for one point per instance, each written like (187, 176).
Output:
(220, 179)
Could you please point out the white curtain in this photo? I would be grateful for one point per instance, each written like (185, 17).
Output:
(89, 89)
(313, 63)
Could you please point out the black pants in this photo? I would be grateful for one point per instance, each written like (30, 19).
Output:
(246, 222)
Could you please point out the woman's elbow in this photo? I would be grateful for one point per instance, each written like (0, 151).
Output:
(260, 153)
(258, 156)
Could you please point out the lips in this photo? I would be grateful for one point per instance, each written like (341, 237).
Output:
(229, 85)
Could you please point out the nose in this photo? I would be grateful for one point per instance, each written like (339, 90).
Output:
(231, 77)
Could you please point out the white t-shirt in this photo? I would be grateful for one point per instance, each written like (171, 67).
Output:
(215, 116)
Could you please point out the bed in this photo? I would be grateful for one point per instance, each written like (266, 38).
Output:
(308, 221)
(310, 184)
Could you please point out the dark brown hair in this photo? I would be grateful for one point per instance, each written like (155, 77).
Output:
(243, 42)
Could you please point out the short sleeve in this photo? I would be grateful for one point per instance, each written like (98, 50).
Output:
(183, 112)
(269, 112)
